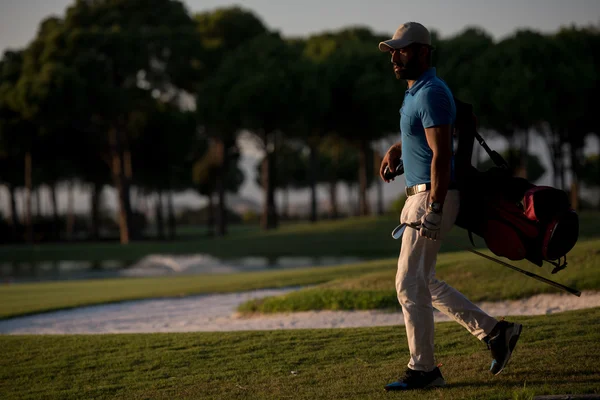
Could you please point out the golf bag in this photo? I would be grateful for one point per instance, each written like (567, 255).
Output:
(516, 219)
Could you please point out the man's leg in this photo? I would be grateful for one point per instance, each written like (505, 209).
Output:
(445, 298)
(416, 261)
(412, 287)
(455, 305)
(415, 265)
(501, 337)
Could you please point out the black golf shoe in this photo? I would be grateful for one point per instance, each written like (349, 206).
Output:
(418, 380)
(501, 342)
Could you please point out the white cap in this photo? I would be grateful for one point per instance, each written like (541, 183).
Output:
(406, 34)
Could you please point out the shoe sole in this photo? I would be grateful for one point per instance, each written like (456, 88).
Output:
(437, 383)
(513, 338)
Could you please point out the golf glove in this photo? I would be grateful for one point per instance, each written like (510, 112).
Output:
(431, 224)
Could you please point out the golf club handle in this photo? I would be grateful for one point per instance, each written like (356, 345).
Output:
(388, 174)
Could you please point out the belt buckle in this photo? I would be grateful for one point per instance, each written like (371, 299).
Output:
(411, 191)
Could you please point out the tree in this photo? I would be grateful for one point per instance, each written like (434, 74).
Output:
(11, 123)
(312, 124)
(591, 172)
(292, 170)
(575, 61)
(205, 175)
(260, 85)
(510, 89)
(338, 162)
(222, 31)
(534, 167)
(123, 52)
(164, 153)
(455, 59)
(365, 99)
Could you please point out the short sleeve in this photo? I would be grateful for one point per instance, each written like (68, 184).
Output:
(436, 107)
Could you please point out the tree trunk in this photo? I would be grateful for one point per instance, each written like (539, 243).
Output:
(28, 186)
(269, 217)
(333, 212)
(160, 220)
(380, 207)
(562, 168)
(553, 161)
(121, 168)
(221, 186)
(14, 216)
(522, 156)
(210, 220)
(285, 202)
(134, 230)
(95, 200)
(363, 201)
(355, 201)
(171, 216)
(312, 177)
(576, 157)
(376, 164)
(70, 211)
(54, 205)
(39, 211)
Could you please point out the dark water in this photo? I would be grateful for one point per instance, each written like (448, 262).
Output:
(154, 265)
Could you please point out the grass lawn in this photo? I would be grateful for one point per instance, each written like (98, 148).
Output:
(479, 279)
(365, 285)
(557, 354)
(366, 237)
(31, 298)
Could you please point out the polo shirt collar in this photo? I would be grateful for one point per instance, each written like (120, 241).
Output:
(424, 78)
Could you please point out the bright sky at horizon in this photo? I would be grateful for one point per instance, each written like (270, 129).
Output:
(19, 19)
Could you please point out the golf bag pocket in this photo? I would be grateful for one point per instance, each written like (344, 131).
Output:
(544, 203)
(508, 232)
(504, 241)
(560, 235)
(545, 229)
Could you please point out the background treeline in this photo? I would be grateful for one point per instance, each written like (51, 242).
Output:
(144, 96)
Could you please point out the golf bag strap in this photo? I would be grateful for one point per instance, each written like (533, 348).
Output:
(496, 158)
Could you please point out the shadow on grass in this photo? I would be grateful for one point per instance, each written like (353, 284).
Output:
(511, 383)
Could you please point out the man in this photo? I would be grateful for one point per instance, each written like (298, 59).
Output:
(426, 122)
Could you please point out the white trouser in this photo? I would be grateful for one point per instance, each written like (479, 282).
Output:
(419, 291)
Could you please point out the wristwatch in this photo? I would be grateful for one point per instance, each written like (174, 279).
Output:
(435, 207)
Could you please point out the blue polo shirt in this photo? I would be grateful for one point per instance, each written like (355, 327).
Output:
(429, 102)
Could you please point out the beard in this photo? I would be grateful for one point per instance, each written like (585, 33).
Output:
(408, 71)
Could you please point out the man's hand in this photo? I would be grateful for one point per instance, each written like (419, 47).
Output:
(390, 160)
(431, 224)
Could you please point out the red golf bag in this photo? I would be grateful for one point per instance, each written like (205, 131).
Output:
(516, 219)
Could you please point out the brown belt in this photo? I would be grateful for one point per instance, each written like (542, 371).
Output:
(423, 187)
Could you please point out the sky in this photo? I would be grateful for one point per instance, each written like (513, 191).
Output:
(19, 20)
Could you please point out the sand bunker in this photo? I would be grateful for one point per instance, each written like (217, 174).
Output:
(217, 312)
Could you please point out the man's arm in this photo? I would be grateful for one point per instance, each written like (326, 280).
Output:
(439, 140)
(391, 159)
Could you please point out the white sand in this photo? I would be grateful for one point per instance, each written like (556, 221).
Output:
(217, 313)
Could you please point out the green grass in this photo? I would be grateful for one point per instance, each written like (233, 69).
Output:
(23, 299)
(366, 237)
(477, 278)
(365, 285)
(557, 354)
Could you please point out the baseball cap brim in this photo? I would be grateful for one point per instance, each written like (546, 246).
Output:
(397, 44)
(393, 44)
